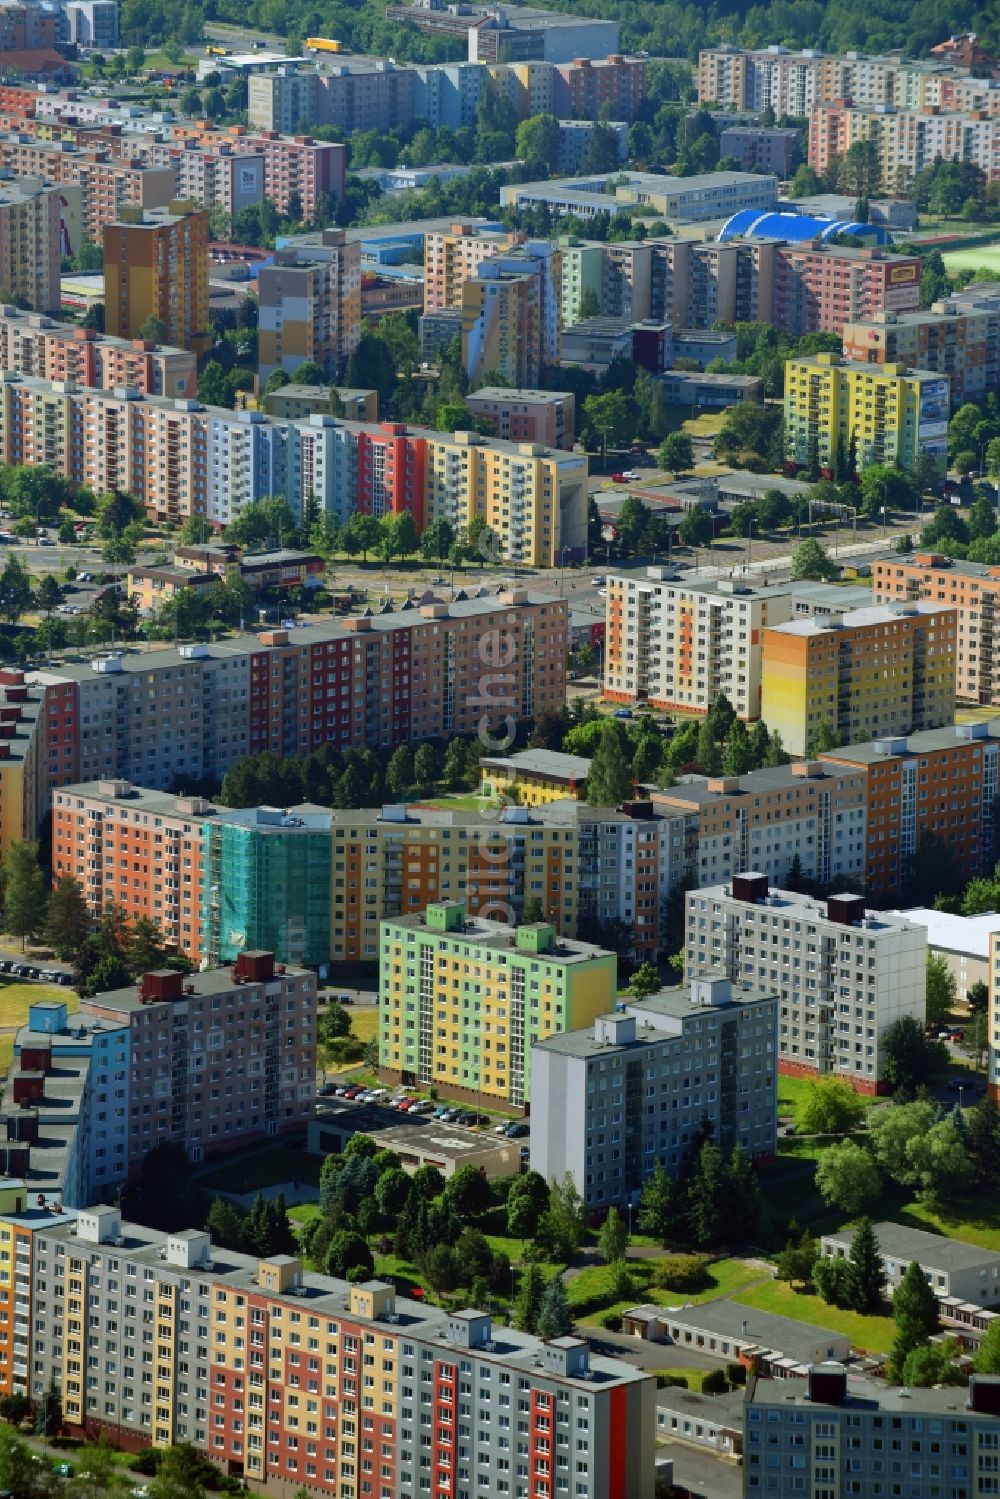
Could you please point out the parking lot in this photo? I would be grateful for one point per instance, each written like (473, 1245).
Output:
(14, 968)
(421, 1110)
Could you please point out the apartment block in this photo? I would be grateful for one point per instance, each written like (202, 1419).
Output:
(949, 341)
(255, 1022)
(819, 289)
(842, 1424)
(237, 1400)
(537, 416)
(446, 95)
(993, 1032)
(310, 306)
(678, 642)
(531, 85)
(971, 589)
(221, 178)
(941, 782)
(379, 680)
(23, 765)
(511, 319)
(582, 88)
(814, 812)
(30, 240)
(107, 186)
(888, 669)
(379, 99)
(842, 974)
(582, 271)
(906, 140)
(889, 413)
(156, 266)
(453, 256)
(762, 148)
(534, 983)
(32, 344)
(586, 865)
(706, 1051)
(289, 167)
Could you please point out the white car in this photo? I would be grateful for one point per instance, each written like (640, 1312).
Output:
(599, 581)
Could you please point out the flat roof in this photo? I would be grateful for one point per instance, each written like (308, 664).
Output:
(859, 619)
(968, 935)
(494, 936)
(699, 790)
(931, 1251)
(722, 1410)
(731, 1319)
(672, 1005)
(806, 907)
(864, 1394)
(543, 762)
(923, 742)
(933, 562)
(211, 981)
(525, 397)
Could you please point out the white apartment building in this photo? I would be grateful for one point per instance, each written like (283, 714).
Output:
(843, 974)
(678, 642)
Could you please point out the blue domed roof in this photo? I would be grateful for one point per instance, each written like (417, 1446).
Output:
(750, 223)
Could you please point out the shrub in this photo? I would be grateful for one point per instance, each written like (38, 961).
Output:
(715, 1382)
(681, 1272)
(612, 1322)
(667, 1381)
(736, 1373)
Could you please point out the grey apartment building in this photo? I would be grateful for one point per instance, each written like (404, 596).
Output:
(832, 1437)
(612, 1100)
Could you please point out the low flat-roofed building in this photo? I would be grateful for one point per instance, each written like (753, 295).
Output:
(962, 941)
(776, 1345)
(535, 775)
(952, 1267)
(428, 1142)
(711, 1421)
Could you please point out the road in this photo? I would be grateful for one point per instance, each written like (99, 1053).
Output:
(701, 1473)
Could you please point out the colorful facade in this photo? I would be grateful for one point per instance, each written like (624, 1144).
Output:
(453, 256)
(906, 140)
(156, 266)
(543, 416)
(885, 670)
(885, 414)
(941, 783)
(463, 1001)
(310, 306)
(958, 342)
(311, 1381)
(106, 185)
(971, 589)
(49, 350)
(31, 241)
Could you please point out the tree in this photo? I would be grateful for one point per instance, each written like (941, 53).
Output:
(437, 541)
(939, 1161)
(941, 990)
(526, 1201)
(612, 1237)
(915, 1313)
(987, 1355)
(20, 1474)
(561, 1228)
(529, 1298)
(610, 417)
(538, 140)
(707, 1207)
(48, 1415)
(108, 973)
(146, 948)
(348, 1252)
(48, 593)
(555, 1319)
(609, 780)
(360, 534)
(675, 454)
(178, 1475)
(657, 1204)
(24, 891)
(891, 1131)
(467, 1193)
(153, 329)
(15, 591)
(909, 1058)
(978, 997)
(426, 765)
(933, 1364)
(832, 1279)
(266, 522)
(796, 1261)
(707, 751)
(809, 560)
(397, 535)
(67, 918)
(867, 1286)
(847, 1178)
(644, 982)
(831, 1107)
(697, 526)
(632, 524)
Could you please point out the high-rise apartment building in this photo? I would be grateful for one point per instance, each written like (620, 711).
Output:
(107, 185)
(380, 98)
(842, 1423)
(217, 1059)
(463, 1001)
(634, 1090)
(310, 306)
(31, 344)
(582, 88)
(452, 256)
(511, 314)
(156, 267)
(819, 289)
(231, 1371)
(812, 813)
(384, 680)
(951, 341)
(842, 974)
(885, 414)
(543, 416)
(905, 141)
(941, 783)
(887, 669)
(24, 782)
(972, 589)
(30, 240)
(678, 642)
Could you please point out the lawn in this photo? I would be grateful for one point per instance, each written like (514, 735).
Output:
(693, 1377)
(977, 258)
(15, 999)
(792, 1093)
(975, 1224)
(364, 1022)
(709, 424)
(873, 1333)
(468, 803)
(726, 1276)
(266, 1168)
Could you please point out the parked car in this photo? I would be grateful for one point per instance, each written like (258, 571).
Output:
(623, 712)
(517, 1130)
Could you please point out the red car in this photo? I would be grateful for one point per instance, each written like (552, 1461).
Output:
(618, 478)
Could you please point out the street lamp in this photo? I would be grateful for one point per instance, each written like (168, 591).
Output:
(750, 525)
(961, 1095)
